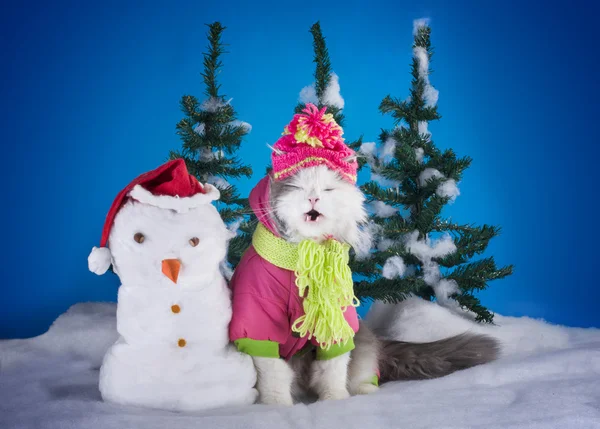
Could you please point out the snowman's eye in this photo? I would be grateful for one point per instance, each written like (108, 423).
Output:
(194, 241)
(139, 237)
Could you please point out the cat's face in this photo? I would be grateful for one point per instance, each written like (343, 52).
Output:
(316, 203)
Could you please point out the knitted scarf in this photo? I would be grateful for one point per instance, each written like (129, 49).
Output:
(323, 278)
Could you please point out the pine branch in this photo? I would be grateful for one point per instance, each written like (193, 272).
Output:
(386, 290)
(212, 62)
(323, 63)
(475, 275)
(473, 304)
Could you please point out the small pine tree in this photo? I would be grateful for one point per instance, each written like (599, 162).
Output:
(418, 251)
(211, 135)
(323, 93)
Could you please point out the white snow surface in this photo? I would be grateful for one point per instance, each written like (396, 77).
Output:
(547, 377)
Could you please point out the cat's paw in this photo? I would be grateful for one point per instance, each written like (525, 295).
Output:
(334, 395)
(364, 389)
(283, 400)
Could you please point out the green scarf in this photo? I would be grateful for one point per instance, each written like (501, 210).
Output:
(323, 278)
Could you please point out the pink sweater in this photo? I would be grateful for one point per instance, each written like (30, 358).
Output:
(266, 301)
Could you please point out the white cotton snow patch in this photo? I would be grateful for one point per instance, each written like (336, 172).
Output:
(389, 149)
(423, 127)
(430, 94)
(420, 54)
(381, 209)
(219, 182)
(369, 233)
(449, 189)
(393, 267)
(332, 95)
(419, 23)
(428, 174)
(199, 129)
(206, 154)
(383, 181)
(213, 104)
(419, 154)
(368, 148)
(427, 249)
(245, 125)
(548, 377)
(385, 243)
(444, 289)
(308, 94)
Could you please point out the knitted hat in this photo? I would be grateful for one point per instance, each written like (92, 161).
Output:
(170, 186)
(313, 138)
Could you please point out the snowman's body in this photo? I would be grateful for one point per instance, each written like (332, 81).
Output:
(173, 351)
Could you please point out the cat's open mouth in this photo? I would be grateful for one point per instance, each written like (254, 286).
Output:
(312, 216)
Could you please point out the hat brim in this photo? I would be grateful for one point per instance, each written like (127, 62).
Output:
(179, 204)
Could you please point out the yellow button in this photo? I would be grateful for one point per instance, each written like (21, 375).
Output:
(175, 308)
(181, 342)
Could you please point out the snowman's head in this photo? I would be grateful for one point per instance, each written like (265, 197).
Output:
(157, 247)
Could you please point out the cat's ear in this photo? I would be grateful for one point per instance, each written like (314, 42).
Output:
(351, 158)
(277, 151)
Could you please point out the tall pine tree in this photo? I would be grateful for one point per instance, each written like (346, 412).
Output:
(211, 135)
(418, 251)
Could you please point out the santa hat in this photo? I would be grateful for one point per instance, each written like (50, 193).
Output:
(170, 186)
(313, 138)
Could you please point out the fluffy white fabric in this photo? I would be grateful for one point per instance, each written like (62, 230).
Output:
(180, 205)
(548, 377)
(173, 348)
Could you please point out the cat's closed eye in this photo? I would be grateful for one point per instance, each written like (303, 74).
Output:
(292, 187)
(329, 189)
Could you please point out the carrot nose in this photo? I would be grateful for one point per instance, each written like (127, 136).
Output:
(170, 268)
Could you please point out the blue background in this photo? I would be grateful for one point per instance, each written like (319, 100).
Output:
(90, 94)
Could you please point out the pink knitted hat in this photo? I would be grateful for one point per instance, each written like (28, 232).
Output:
(313, 138)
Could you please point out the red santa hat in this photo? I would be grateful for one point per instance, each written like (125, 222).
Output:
(170, 186)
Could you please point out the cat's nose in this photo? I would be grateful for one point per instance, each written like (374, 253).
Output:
(313, 201)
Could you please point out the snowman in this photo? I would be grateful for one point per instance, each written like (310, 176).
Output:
(165, 241)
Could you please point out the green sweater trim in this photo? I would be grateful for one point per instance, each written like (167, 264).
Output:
(335, 350)
(258, 348)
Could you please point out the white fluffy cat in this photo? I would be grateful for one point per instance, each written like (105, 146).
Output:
(317, 203)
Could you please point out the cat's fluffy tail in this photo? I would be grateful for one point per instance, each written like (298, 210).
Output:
(399, 360)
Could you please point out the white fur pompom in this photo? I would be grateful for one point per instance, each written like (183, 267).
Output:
(99, 260)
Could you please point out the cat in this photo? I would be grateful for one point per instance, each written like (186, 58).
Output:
(316, 203)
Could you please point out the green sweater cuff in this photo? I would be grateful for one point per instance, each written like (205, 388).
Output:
(258, 348)
(335, 350)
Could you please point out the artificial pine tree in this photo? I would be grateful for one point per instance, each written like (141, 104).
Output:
(211, 136)
(417, 250)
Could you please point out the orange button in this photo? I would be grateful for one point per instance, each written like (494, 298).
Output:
(181, 342)
(175, 308)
